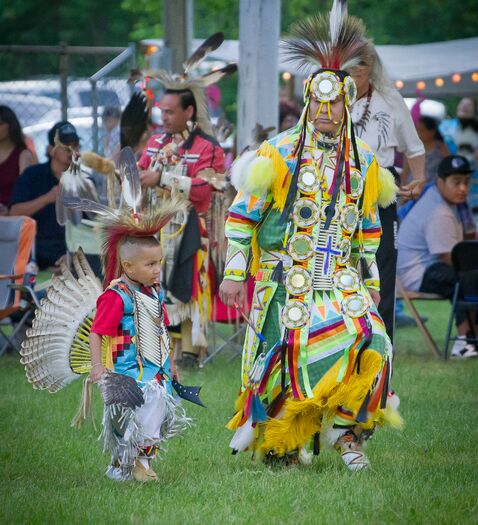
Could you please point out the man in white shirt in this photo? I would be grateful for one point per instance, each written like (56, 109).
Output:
(381, 118)
(427, 236)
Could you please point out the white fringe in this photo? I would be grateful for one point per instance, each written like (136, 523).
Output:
(126, 448)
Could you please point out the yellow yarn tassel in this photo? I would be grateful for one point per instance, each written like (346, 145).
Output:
(302, 419)
(280, 184)
(387, 189)
(260, 175)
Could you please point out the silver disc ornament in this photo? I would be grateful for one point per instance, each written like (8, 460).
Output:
(355, 305)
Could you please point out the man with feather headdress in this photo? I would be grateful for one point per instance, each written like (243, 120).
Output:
(316, 360)
(187, 160)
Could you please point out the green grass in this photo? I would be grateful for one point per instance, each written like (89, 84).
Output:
(425, 474)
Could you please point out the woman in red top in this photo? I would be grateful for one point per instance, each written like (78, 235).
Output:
(14, 155)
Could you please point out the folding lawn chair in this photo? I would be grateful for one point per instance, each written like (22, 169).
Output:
(17, 235)
(464, 257)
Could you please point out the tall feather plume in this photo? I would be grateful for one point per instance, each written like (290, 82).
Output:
(334, 41)
(197, 84)
(218, 74)
(130, 183)
(89, 206)
(73, 183)
(134, 121)
(209, 45)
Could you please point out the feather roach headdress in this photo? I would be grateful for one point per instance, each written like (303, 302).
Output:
(197, 84)
(133, 218)
(333, 43)
(329, 45)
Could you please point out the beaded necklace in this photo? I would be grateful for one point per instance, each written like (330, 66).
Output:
(361, 123)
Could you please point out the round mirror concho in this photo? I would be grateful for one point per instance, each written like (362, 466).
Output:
(308, 180)
(349, 217)
(356, 183)
(298, 281)
(294, 314)
(326, 86)
(300, 247)
(305, 213)
(355, 305)
(347, 280)
(345, 247)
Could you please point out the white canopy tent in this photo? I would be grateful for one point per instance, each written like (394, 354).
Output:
(439, 69)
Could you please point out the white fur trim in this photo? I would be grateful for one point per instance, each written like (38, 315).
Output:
(240, 169)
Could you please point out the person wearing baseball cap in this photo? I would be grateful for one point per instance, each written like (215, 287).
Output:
(65, 133)
(426, 238)
(36, 191)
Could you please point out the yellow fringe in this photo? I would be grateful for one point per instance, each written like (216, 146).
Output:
(380, 188)
(280, 184)
(370, 195)
(302, 419)
(256, 255)
(387, 189)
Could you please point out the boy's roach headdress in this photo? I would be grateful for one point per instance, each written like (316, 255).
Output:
(133, 217)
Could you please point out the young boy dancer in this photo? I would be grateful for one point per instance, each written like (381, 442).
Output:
(134, 435)
(117, 336)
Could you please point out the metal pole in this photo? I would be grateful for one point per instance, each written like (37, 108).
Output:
(178, 16)
(64, 81)
(259, 29)
(94, 104)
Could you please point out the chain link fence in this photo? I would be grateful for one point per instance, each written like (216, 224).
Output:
(45, 84)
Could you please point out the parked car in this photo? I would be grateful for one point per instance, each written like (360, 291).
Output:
(30, 109)
(111, 92)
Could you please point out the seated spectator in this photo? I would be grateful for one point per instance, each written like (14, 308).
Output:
(36, 190)
(426, 238)
(435, 148)
(14, 155)
(289, 114)
(461, 133)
